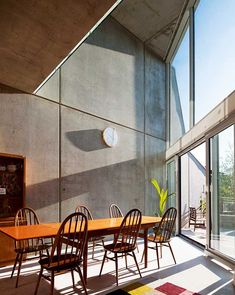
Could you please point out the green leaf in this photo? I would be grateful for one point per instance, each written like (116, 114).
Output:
(156, 185)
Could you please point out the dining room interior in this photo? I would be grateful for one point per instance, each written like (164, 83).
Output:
(125, 104)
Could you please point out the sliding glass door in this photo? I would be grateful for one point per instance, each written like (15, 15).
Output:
(222, 197)
(193, 196)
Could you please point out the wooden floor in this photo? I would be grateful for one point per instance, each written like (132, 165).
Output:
(193, 271)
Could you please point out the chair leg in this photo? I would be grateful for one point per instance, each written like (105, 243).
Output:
(137, 248)
(126, 260)
(93, 249)
(39, 278)
(116, 266)
(72, 274)
(19, 267)
(157, 256)
(172, 253)
(142, 257)
(82, 279)
(136, 263)
(13, 270)
(52, 281)
(105, 254)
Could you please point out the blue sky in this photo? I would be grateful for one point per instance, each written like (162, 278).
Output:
(214, 57)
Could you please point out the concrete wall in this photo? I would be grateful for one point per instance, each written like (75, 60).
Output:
(29, 127)
(111, 80)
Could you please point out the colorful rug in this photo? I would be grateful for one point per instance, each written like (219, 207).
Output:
(142, 289)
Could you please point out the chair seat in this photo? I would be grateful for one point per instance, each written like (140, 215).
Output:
(157, 239)
(30, 249)
(60, 262)
(119, 247)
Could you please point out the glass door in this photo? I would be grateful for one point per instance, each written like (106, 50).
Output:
(222, 197)
(193, 195)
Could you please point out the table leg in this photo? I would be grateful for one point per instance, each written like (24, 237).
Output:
(85, 262)
(146, 248)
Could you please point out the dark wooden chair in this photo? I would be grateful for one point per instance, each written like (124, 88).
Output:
(94, 240)
(67, 250)
(162, 233)
(27, 216)
(115, 211)
(197, 219)
(124, 242)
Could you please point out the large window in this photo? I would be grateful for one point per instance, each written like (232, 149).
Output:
(214, 54)
(202, 69)
(179, 91)
(222, 236)
(193, 195)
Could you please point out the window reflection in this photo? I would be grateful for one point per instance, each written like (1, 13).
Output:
(179, 91)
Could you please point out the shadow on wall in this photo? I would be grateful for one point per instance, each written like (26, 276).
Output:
(122, 183)
(87, 140)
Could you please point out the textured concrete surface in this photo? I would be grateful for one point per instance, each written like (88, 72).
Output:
(37, 35)
(51, 89)
(29, 127)
(110, 81)
(154, 168)
(155, 96)
(99, 176)
(105, 76)
(153, 22)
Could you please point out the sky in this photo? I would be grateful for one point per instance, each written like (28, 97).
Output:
(214, 57)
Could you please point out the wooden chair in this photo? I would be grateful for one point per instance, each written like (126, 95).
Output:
(162, 233)
(197, 219)
(26, 216)
(115, 211)
(124, 242)
(94, 240)
(67, 250)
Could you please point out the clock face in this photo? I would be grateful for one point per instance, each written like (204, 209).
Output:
(110, 136)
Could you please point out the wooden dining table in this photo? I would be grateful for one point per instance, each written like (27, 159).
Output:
(96, 227)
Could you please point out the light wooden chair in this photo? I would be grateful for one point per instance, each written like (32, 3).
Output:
(197, 219)
(162, 233)
(115, 211)
(67, 250)
(124, 242)
(26, 216)
(94, 240)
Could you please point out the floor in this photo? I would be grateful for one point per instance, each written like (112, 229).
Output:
(193, 271)
(198, 235)
(224, 242)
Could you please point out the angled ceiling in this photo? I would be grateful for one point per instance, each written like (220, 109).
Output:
(37, 35)
(152, 21)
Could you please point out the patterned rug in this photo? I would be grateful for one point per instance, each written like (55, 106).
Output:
(142, 289)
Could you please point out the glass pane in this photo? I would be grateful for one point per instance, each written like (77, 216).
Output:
(193, 196)
(179, 91)
(222, 236)
(171, 184)
(214, 54)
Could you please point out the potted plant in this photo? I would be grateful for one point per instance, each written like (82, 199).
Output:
(162, 194)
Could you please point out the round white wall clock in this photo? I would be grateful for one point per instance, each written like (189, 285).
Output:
(110, 136)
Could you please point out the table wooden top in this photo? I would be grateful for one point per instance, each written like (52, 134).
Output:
(45, 230)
